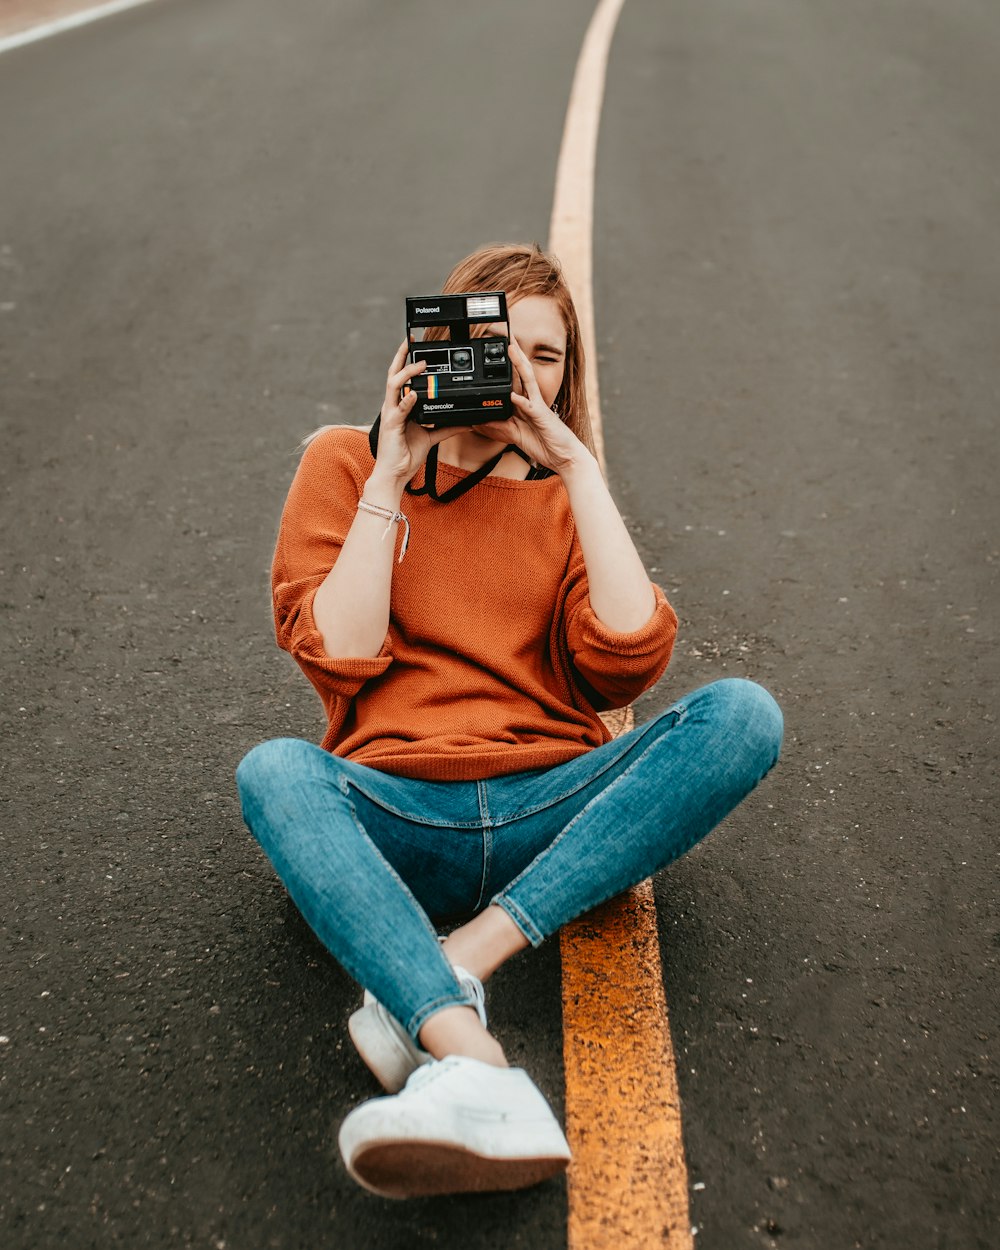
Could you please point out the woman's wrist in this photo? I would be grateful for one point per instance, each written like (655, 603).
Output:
(384, 490)
(580, 467)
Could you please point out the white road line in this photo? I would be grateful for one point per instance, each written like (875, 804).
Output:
(72, 20)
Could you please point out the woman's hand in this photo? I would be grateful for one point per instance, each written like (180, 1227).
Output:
(535, 428)
(402, 444)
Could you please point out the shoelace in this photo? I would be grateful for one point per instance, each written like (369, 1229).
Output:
(422, 1076)
(469, 981)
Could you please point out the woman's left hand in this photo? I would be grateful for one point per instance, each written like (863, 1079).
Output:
(534, 427)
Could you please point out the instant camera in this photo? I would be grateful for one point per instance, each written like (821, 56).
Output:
(468, 378)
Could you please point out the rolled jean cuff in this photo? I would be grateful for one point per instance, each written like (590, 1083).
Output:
(527, 926)
(417, 1021)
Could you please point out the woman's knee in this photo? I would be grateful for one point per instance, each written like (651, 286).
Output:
(747, 715)
(275, 763)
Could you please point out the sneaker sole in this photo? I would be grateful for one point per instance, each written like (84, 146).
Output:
(421, 1169)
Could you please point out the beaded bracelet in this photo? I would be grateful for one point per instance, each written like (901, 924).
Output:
(393, 518)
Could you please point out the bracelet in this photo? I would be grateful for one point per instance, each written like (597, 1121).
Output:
(392, 517)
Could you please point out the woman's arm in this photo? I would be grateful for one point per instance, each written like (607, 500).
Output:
(620, 591)
(351, 607)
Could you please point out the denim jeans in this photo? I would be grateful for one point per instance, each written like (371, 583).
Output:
(373, 861)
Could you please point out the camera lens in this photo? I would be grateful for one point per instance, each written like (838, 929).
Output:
(461, 358)
(494, 351)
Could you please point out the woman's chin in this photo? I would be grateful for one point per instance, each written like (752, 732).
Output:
(492, 430)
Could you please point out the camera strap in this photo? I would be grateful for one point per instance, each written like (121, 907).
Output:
(430, 486)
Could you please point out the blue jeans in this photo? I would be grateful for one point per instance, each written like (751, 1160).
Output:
(371, 859)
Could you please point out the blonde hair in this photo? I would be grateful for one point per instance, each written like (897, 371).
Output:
(522, 269)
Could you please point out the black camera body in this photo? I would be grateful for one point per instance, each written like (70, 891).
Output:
(468, 380)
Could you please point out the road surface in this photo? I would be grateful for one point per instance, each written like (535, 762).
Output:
(210, 215)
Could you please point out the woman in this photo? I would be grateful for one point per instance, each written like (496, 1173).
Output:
(465, 775)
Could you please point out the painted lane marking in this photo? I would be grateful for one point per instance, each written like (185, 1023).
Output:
(628, 1178)
(571, 228)
(72, 20)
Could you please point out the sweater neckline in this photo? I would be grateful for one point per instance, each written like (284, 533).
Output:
(505, 483)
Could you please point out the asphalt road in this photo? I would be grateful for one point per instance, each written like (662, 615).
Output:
(209, 215)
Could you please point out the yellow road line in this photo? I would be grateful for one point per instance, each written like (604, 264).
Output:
(628, 1178)
(571, 228)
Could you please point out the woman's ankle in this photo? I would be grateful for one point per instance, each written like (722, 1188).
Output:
(459, 1031)
(484, 943)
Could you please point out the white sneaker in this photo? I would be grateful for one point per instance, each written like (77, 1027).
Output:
(459, 1126)
(385, 1045)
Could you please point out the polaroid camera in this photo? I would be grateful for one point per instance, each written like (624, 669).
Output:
(468, 378)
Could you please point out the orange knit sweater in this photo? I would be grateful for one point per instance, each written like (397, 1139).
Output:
(494, 661)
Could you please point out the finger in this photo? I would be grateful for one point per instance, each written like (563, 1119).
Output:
(398, 380)
(410, 371)
(517, 357)
(391, 392)
(397, 360)
(395, 411)
(524, 405)
(526, 372)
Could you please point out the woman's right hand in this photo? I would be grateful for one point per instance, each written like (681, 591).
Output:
(402, 444)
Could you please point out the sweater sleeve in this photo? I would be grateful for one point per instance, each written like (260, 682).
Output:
(317, 515)
(616, 666)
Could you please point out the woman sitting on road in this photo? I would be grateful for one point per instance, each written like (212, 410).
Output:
(466, 775)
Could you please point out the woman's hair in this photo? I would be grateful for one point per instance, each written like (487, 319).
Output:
(522, 269)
